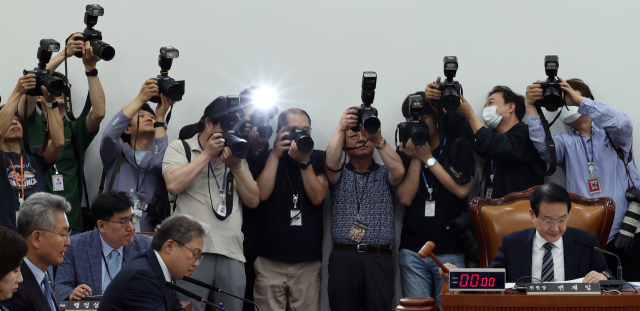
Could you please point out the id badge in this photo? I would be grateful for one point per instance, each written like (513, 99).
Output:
(489, 191)
(429, 208)
(222, 209)
(594, 185)
(357, 231)
(296, 217)
(57, 182)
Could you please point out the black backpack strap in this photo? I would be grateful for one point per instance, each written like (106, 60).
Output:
(116, 169)
(187, 152)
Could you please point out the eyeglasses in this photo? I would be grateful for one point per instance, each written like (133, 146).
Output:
(197, 256)
(124, 223)
(353, 135)
(560, 222)
(65, 236)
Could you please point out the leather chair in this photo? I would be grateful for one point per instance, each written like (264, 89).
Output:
(493, 218)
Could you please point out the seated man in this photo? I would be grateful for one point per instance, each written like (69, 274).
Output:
(548, 252)
(176, 249)
(97, 256)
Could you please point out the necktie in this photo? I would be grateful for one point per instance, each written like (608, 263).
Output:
(112, 268)
(547, 263)
(47, 291)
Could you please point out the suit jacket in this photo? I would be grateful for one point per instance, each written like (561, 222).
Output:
(516, 250)
(140, 287)
(29, 296)
(83, 262)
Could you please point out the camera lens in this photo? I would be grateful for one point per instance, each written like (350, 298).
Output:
(103, 50)
(552, 98)
(238, 146)
(419, 135)
(370, 121)
(265, 131)
(304, 143)
(173, 90)
(53, 85)
(450, 99)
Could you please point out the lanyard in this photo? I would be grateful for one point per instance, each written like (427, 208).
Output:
(422, 171)
(15, 177)
(297, 194)
(224, 178)
(493, 172)
(590, 158)
(355, 186)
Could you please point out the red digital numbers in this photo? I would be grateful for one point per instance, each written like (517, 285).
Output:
(473, 281)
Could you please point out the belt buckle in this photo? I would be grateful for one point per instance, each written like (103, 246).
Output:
(358, 248)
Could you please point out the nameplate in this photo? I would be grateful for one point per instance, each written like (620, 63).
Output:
(80, 305)
(563, 288)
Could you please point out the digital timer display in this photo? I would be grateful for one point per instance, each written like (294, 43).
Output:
(480, 279)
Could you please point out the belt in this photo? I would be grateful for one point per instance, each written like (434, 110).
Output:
(364, 248)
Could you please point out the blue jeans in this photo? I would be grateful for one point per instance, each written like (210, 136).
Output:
(421, 277)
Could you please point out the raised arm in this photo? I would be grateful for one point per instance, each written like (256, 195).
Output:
(408, 188)
(96, 93)
(334, 149)
(389, 157)
(536, 129)
(7, 113)
(247, 189)
(55, 128)
(315, 186)
(73, 46)
(267, 178)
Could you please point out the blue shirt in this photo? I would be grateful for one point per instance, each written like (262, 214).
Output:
(609, 168)
(375, 194)
(106, 250)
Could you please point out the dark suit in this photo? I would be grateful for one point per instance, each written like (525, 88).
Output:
(83, 262)
(516, 250)
(29, 296)
(139, 286)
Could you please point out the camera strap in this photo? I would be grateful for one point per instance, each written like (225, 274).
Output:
(25, 133)
(69, 103)
(626, 162)
(548, 140)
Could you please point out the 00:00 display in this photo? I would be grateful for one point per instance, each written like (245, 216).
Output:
(475, 279)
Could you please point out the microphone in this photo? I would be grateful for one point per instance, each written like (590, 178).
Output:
(611, 283)
(189, 294)
(216, 289)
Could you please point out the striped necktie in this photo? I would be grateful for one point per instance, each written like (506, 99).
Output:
(547, 263)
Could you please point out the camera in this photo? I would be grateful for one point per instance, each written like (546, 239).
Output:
(624, 239)
(264, 108)
(460, 228)
(552, 93)
(417, 130)
(42, 74)
(302, 139)
(167, 85)
(449, 88)
(94, 37)
(230, 123)
(367, 115)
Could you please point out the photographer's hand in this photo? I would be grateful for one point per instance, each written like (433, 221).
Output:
(72, 47)
(55, 127)
(233, 163)
(88, 58)
(245, 186)
(424, 152)
(163, 107)
(214, 146)
(432, 92)
(256, 141)
(348, 120)
(466, 111)
(280, 145)
(298, 155)
(149, 89)
(25, 83)
(570, 95)
(533, 94)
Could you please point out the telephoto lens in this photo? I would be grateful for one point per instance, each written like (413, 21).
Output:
(629, 224)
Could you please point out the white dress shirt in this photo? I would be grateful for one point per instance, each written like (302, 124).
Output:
(557, 252)
(165, 270)
(106, 250)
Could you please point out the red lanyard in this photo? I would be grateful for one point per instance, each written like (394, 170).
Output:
(15, 176)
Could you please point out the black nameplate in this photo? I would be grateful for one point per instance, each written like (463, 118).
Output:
(563, 289)
(80, 305)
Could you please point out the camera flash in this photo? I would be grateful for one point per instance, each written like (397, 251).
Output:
(95, 10)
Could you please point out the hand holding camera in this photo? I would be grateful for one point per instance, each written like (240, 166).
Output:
(89, 59)
(297, 155)
(257, 142)
(74, 45)
(571, 97)
(465, 110)
(422, 153)
(281, 144)
(432, 91)
(25, 83)
(214, 146)
(533, 94)
(93, 36)
(149, 89)
(230, 160)
(163, 107)
(348, 120)
(375, 138)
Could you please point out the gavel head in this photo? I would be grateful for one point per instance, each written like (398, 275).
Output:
(426, 249)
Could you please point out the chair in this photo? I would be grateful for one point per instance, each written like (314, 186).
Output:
(493, 218)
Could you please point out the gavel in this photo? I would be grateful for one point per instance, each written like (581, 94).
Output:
(427, 250)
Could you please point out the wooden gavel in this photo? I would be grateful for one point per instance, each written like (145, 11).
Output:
(427, 250)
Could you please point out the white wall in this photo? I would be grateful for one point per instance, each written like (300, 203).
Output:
(314, 52)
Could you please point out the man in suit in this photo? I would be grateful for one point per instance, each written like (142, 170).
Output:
(548, 252)
(43, 223)
(95, 257)
(176, 250)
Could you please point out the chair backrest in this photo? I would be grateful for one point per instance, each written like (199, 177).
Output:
(493, 218)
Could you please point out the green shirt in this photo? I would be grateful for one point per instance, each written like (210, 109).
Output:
(68, 166)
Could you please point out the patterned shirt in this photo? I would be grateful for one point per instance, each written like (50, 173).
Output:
(367, 196)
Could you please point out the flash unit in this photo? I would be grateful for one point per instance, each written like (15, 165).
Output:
(264, 98)
(169, 52)
(50, 45)
(95, 10)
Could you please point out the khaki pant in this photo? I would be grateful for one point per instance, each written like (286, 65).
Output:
(281, 282)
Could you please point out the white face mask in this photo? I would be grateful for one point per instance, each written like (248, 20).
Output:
(569, 116)
(491, 117)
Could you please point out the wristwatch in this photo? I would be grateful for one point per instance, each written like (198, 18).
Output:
(430, 162)
(607, 274)
(53, 104)
(304, 165)
(159, 124)
(91, 73)
(382, 145)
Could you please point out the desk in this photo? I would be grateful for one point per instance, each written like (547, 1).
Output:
(521, 301)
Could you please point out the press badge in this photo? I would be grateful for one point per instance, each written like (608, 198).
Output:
(429, 208)
(296, 217)
(57, 182)
(489, 192)
(357, 231)
(594, 185)
(222, 209)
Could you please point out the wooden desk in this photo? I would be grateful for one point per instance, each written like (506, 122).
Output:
(187, 304)
(520, 301)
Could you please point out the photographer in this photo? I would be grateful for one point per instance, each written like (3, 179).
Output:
(432, 199)
(68, 171)
(196, 171)
(588, 155)
(25, 172)
(362, 228)
(288, 267)
(511, 161)
(138, 161)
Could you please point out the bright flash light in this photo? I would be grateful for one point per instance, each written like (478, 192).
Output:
(264, 98)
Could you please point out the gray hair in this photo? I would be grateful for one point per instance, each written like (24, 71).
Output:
(180, 228)
(37, 212)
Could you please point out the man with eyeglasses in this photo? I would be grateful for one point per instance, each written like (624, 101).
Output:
(43, 223)
(95, 257)
(547, 252)
(176, 250)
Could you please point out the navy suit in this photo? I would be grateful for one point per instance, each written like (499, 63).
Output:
(516, 251)
(29, 296)
(83, 262)
(139, 286)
